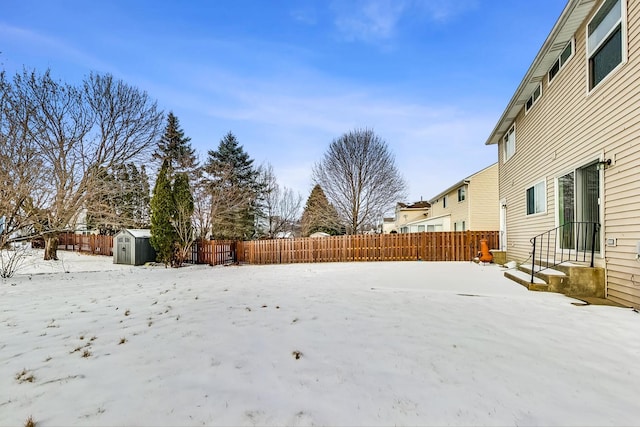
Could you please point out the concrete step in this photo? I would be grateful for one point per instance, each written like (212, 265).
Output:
(551, 276)
(524, 279)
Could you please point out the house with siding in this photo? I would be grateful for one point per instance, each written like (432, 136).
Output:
(407, 218)
(470, 204)
(568, 150)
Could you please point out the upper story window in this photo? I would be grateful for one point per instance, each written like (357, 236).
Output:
(444, 202)
(567, 53)
(604, 41)
(509, 143)
(462, 194)
(533, 98)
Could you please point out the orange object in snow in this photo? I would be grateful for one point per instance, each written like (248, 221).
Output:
(485, 255)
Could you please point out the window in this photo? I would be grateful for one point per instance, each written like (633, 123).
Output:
(536, 200)
(459, 226)
(404, 229)
(567, 53)
(604, 41)
(462, 193)
(444, 202)
(533, 98)
(509, 143)
(420, 228)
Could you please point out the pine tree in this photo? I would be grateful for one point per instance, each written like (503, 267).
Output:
(233, 183)
(120, 201)
(163, 212)
(320, 215)
(175, 147)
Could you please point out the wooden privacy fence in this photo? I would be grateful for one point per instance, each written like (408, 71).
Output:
(215, 252)
(432, 246)
(92, 243)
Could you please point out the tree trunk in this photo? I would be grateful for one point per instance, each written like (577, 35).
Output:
(51, 247)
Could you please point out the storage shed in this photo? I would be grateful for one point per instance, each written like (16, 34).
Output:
(132, 247)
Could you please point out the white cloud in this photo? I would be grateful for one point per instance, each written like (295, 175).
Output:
(289, 121)
(47, 47)
(374, 21)
(367, 20)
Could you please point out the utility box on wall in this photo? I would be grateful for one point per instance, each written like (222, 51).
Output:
(133, 247)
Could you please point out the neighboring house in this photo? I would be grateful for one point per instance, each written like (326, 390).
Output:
(471, 204)
(568, 144)
(388, 225)
(407, 217)
(319, 234)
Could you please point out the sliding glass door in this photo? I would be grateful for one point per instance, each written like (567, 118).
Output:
(579, 203)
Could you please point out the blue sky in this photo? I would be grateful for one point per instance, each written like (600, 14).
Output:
(431, 77)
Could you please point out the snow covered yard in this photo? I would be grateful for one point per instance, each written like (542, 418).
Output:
(397, 343)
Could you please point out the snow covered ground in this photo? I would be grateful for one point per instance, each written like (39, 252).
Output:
(86, 342)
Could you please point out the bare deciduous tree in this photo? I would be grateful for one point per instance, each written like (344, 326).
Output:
(20, 167)
(227, 200)
(280, 206)
(359, 176)
(201, 206)
(183, 219)
(77, 133)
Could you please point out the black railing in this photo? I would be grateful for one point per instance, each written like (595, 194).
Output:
(572, 241)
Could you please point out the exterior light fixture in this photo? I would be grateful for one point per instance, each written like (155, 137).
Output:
(604, 164)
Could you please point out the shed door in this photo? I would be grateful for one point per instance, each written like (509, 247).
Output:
(124, 250)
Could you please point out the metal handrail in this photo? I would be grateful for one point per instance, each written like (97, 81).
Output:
(571, 238)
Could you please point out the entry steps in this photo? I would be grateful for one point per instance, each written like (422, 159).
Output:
(569, 279)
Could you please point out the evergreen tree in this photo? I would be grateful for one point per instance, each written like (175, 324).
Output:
(233, 184)
(120, 201)
(140, 197)
(183, 201)
(163, 212)
(320, 215)
(175, 147)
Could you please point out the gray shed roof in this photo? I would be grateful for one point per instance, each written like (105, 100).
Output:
(139, 232)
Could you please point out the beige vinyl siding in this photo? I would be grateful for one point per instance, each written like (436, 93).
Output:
(568, 128)
(482, 195)
(411, 215)
(457, 211)
(437, 209)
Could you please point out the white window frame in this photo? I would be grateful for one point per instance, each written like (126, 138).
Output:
(506, 141)
(560, 62)
(533, 98)
(539, 189)
(462, 194)
(592, 50)
(459, 226)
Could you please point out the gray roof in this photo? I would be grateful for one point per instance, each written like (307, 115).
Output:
(139, 232)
